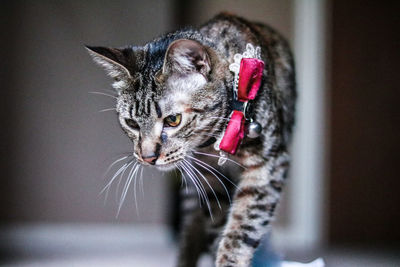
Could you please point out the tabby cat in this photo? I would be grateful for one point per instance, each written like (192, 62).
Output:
(174, 100)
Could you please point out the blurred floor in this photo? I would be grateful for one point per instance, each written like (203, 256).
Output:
(119, 246)
(87, 245)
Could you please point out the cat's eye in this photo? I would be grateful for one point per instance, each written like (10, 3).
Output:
(173, 120)
(132, 124)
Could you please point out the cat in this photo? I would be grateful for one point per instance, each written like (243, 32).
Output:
(174, 100)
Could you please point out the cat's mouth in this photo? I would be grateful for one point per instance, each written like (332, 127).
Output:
(162, 166)
(164, 161)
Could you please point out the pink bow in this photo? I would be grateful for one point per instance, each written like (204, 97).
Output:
(250, 76)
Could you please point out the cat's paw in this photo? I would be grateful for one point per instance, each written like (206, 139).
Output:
(231, 254)
(225, 261)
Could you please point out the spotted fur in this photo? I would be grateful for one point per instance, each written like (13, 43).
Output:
(186, 72)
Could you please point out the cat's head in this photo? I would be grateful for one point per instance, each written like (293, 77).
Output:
(171, 98)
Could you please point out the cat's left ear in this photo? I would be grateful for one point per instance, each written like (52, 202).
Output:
(117, 62)
(187, 56)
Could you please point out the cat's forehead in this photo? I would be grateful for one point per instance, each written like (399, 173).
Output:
(178, 91)
(144, 85)
(174, 102)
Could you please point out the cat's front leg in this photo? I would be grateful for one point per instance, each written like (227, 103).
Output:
(193, 241)
(199, 229)
(251, 212)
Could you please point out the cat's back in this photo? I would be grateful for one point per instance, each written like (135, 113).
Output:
(231, 33)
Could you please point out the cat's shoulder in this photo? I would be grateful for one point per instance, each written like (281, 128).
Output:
(226, 20)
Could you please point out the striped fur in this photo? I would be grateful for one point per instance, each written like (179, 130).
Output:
(186, 72)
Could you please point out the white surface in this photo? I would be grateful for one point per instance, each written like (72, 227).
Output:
(317, 263)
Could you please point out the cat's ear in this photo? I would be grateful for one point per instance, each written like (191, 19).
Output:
(187, 56)
(117, 62)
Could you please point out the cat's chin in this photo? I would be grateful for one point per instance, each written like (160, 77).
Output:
(165, 167)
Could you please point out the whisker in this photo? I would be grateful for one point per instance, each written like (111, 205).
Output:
(222, 118)
(186, 184)
(183, 171)
(141, 180)
(101, 93)
(112, 91)
(177, 173)
(107, 109)
(194, 181)
(135, 190)
(219, 180)
(115, 162)
(107, 187)
(205, 179)
(195, 178)
(216, 156)
(207, 201)
(210, 134)
(126, 188)
(133, 168)
(183, 179)
(129, 153)
(205, 165)
(120, 179)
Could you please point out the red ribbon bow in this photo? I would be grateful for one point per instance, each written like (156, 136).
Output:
(250, 75)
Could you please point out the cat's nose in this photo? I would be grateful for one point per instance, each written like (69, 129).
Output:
(150, 151)
(150, 159)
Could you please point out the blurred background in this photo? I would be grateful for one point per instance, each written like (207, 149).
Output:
(342, 200)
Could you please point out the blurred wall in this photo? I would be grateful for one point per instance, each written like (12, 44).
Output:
(278, 14)
(55, 144)
(364, 178)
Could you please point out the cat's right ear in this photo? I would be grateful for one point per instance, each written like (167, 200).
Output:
(187, 56)
(116, 62)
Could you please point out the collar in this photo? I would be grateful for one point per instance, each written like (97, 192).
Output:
(248, 68)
